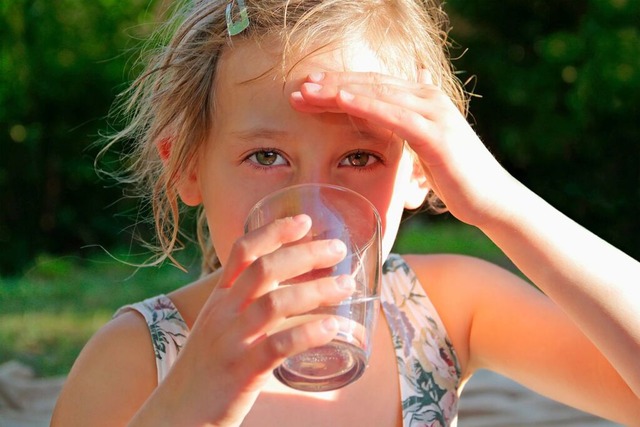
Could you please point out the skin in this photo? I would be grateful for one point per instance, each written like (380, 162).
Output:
(578, 345)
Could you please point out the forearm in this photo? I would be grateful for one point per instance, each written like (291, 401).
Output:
(597, 285)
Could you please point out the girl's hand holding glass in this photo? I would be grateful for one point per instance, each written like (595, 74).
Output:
(230, 354)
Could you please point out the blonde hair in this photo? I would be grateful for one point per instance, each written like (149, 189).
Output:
(173, 99)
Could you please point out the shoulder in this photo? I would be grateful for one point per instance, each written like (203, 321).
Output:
(114, 374)
(460, 280)
(465, 290)
(444, 266)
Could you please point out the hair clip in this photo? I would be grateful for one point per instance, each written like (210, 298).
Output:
(239, 26)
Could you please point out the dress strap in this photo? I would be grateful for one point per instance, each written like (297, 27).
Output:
(427, 363)
(168, 329)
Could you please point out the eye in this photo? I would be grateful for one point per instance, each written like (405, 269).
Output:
(359, 159)
(266, 157)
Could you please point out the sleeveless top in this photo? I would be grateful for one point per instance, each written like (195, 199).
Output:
(429, 372)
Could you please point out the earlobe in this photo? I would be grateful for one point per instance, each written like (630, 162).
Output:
(187, 186)
(418, 189)
(189, 190)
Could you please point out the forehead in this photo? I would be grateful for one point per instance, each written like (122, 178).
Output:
(253, 89)
(253, 86)
(248, 62)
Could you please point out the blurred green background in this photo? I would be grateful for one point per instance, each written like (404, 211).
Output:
(558, 102)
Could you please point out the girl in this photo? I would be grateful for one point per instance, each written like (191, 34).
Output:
(252, 96)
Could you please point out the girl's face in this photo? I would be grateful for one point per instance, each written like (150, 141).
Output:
(260, 144)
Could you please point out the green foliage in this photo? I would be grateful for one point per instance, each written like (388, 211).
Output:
(50, 312)
(60, 65)
(446, 235)
(560, 88)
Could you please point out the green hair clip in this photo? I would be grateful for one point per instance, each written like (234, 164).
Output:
(239, 26)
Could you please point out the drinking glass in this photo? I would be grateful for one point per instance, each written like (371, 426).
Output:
(336, 213)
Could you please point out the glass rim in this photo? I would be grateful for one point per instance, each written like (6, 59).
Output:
(335, 187)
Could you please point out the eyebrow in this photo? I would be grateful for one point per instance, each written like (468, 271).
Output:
(261, 133)
(361, 133)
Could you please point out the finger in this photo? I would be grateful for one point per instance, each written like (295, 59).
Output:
(354, 77)
(403, 121)
(246, 250)
(262, 241)
(281, 308)
(268, 271)
(423, 99)
(317, 94)
(265, 317)
(271, 350)
(311, 104)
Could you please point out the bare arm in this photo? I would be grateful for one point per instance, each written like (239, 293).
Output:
(497, 321)
(596, 285)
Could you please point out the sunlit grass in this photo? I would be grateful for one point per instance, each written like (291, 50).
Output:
(47, 341)
(49, 313)
(447, 235)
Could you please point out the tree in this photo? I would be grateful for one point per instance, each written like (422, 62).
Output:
(560, 97)
(560, 87)
(60, 66)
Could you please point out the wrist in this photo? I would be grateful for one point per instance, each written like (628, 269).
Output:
(500, 202)
(509, 207)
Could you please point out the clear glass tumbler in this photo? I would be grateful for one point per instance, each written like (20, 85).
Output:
(336, 213)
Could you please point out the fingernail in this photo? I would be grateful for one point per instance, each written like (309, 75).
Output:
(345, 282)
(346, 96)
(312, 87)
(301, 219)
(297, 96)
(337, 246)
(330, 324)
(316, 77)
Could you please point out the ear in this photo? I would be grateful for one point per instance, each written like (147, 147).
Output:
(418, 187)
(187, 184)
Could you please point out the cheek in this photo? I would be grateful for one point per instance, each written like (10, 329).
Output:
(226, 209)
(226, 225)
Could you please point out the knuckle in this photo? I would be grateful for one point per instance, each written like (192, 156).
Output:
(235, 366)
(374, 77)
(405, 117)
(441, 97)
(383, 90)
(269, 305)
(241, 249)
(280, 223)
(279, 346)
(261, 269)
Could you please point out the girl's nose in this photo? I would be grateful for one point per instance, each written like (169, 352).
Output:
(313, 175)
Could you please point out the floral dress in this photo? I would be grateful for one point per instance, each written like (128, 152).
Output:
(427, 364)
(429, 372)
